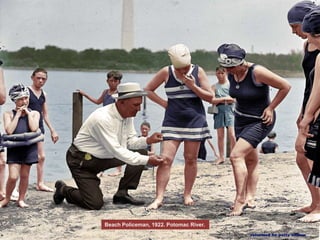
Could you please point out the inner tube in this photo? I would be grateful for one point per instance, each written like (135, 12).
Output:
(21, 136)
(21, 139)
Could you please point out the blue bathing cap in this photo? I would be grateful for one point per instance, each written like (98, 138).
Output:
(311, 22)
(231, 55)
(299, 10)
(18, 91)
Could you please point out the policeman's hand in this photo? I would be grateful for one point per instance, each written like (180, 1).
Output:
(154, 138)
(155, 160)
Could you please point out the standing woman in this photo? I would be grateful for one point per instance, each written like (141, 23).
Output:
(254, 118)
(311, 117)
(185, 121)
(295, 17)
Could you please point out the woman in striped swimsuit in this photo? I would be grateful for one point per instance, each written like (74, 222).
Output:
(186, 85)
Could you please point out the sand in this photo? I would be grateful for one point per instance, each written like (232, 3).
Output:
(280, 190)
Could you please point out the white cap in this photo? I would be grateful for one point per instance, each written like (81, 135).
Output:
(179, 55)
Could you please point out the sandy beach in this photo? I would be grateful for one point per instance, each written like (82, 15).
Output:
(280, 190)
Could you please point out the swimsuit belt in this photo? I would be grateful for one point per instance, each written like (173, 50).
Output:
(246, 115)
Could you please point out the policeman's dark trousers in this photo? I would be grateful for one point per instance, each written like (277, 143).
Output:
(84, 171)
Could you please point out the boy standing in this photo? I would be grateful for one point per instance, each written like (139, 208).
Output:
(38, 103)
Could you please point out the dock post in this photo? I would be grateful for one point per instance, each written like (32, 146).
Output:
(77, 113)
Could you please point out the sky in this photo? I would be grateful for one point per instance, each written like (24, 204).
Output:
(258, 26)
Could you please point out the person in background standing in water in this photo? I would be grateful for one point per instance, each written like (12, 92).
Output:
(38, 102)
(2, 153)
(113, 80)
(269, 146)
(224, 116)
(295, 17)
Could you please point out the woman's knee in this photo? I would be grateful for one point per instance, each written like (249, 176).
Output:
(234, 156)
(41, 158)
(167, 161)
(12, 178)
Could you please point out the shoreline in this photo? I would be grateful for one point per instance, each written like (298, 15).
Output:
(282, 73)
(280, 190)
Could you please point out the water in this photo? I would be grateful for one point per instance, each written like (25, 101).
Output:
(61, 85)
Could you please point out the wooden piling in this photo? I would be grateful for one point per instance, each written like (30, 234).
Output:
(77, 113)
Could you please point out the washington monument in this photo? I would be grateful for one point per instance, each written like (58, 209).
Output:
(127, 37)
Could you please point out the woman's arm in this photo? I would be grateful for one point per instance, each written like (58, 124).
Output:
(263, 75)
(155, 82)
(313, 103)
(204, 91)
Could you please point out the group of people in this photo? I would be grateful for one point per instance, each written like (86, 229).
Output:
(108, 139)
(24, 137)
(304, 19)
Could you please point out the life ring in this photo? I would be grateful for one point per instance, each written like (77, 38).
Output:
(21, 139)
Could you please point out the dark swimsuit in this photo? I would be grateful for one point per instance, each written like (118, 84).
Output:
(252, 99)
(24, 154)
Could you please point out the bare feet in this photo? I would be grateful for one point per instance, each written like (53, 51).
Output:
(155, 205)
(22, 204)
(312, 217)
(4, 203)
(237, 209)
(306, 209)
(14, 195)
(114, 174)
(251, 204)
(2, 196)
(188, 201)
(43, 188)
(219, 161)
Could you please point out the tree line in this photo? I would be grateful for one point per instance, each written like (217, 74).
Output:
(139, 59)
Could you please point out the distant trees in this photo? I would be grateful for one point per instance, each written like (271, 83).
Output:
(140, 59)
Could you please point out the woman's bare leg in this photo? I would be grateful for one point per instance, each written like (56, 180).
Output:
(252, 163)
(240, 171)
(191, 150)
(305, 167)
(169, 149)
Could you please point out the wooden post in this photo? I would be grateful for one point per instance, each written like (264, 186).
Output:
(77, 113)
(144, 112)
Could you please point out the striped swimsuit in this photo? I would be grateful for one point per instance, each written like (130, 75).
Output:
(185, 117)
